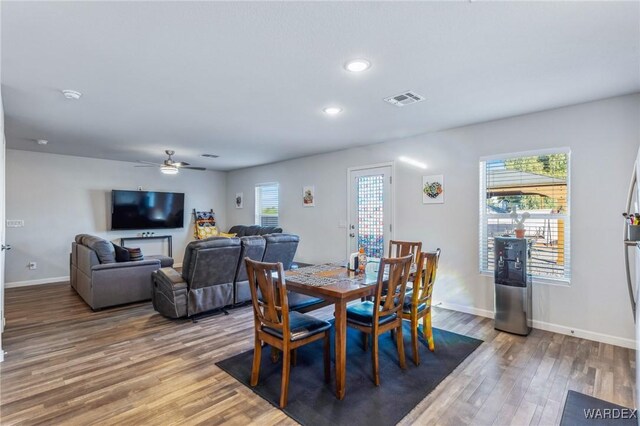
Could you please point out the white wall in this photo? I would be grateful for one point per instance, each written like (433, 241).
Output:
(603, 137)
(60, 196)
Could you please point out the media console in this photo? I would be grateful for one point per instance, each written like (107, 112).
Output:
(153, 237)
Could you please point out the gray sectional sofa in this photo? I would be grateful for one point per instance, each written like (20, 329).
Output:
(103, 282)
(214, 274)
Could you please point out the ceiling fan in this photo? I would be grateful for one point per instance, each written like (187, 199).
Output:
(170, 167)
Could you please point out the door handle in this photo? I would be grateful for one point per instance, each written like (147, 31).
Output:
(5, 247)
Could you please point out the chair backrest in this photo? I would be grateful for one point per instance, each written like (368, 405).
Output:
(268, 295)
(280, 248)
(403, 248)
(210, 262)
(425, 277)
(396, 285)
(253, 248)
(248, 230)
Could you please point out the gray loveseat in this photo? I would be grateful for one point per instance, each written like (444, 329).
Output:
(103, 282)
(214, 274)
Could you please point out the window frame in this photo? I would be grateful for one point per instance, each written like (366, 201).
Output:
(484, 216)
(258, 204)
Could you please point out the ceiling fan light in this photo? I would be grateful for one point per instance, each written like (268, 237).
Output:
(169, 170)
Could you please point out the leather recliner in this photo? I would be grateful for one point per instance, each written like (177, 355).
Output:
(206, 283)
(249, 230)
(282, 248)
(253, 248)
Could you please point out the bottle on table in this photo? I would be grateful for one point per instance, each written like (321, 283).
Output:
(362, 260)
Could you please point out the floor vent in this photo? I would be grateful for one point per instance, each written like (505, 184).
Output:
(405, 98)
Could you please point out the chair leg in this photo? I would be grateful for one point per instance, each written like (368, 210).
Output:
(374, 359)
(286, 368)
(365, 341)
(428, 332)
(414, 341)
(327, 357)
(294, 357)
(257, 355)
(400, 344)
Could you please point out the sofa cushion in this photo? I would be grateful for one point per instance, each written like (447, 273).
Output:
(248, 230)
(135, 254)
(122, 254)
(264, 230)
(103, 248)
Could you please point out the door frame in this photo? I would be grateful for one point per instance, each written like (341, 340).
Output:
(392, 222)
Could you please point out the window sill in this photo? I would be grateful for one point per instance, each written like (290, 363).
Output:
(538, 280)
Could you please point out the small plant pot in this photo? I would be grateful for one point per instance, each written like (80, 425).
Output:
(519, 233)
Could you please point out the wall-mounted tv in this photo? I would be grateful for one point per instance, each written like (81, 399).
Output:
(146, 210)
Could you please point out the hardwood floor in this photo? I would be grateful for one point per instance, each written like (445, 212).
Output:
(128, 365)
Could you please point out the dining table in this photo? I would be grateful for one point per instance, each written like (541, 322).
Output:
(337, 285)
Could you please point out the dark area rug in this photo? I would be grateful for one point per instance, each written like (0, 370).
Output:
(313, 402)
(580, 409)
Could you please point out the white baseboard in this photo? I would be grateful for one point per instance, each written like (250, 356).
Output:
(585, 334)
(37, 282)
(541, 325)
(466, 309)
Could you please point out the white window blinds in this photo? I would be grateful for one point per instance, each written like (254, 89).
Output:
(537, 183)
(267, 200)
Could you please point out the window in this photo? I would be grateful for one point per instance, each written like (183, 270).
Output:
(534, 182)
(267, 204)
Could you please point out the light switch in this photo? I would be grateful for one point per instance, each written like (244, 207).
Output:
(15, 223)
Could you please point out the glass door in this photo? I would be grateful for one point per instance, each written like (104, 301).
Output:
(370, 210)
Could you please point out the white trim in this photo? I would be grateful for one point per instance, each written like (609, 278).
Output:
(466, 309)
(585, 334)
(37, 282)
(541, 325)
(1, 355)
(533, 153)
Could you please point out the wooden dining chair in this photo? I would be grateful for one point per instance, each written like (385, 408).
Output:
(418, 304)
(275, 325)
(383, 314)
(403, 248)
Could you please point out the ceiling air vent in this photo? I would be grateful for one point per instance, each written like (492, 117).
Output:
(405, 98)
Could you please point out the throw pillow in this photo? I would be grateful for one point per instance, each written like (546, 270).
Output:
(122, 254)
(135, 254)
(103, 248)
(224, 234)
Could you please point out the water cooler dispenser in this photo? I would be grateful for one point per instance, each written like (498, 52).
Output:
(513, 285)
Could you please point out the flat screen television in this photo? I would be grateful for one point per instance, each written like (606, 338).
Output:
(146, 210)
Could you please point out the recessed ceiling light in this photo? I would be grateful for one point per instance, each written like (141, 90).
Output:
(209, 155)
(332, 110)
(71, 94)
(357, 65)
(42, 141)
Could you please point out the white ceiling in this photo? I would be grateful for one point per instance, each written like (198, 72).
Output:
(248, 80)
